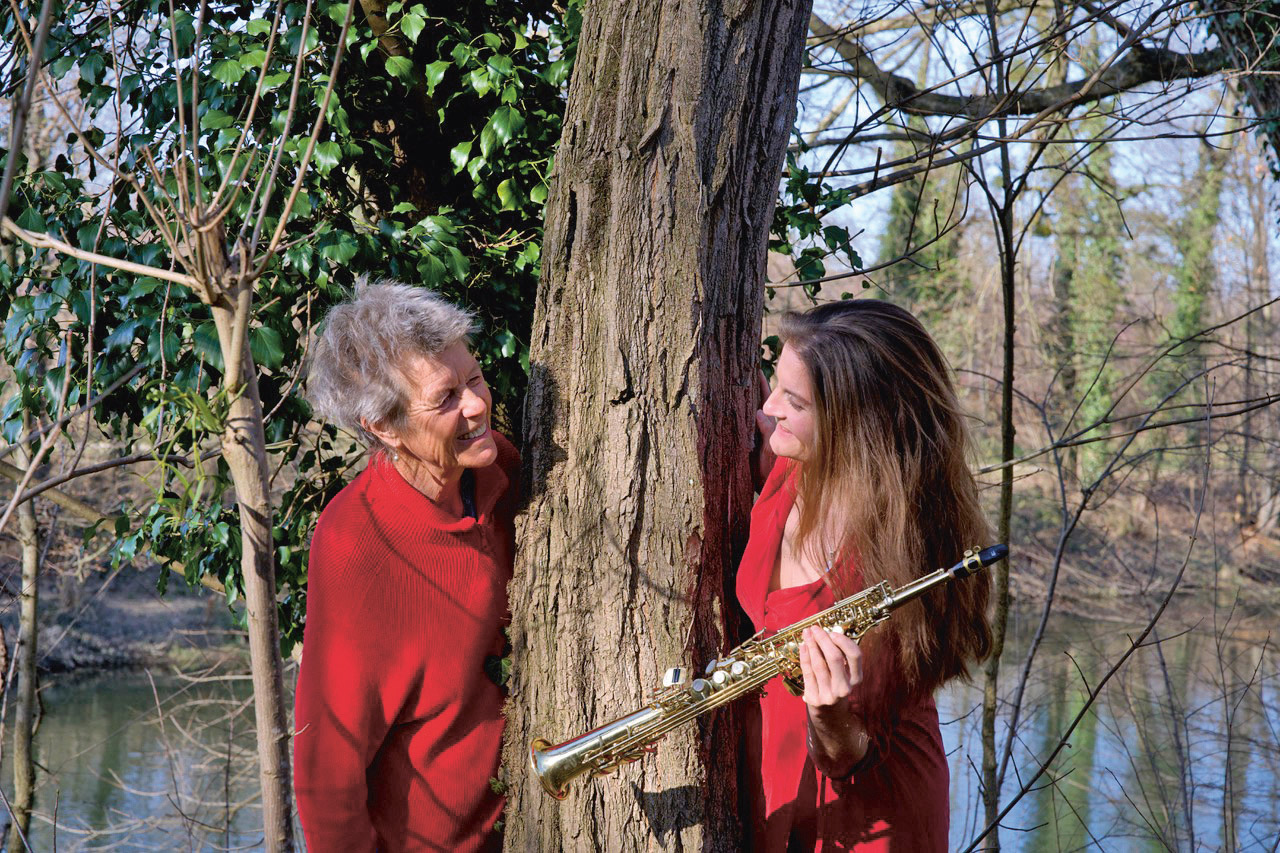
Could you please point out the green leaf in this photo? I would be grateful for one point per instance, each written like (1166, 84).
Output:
(272, 81)
(337, 12)
(229, 71)
(412, 25)
(507, 342)
(341, 248)
(253, 60)
(302, 206)
(205, 339)
(435, 73)
(216, 120)
(122, 337)
(91, 67)
(266, 347)
(60, 66)
(31, 220)
(507, 195)
(400, 66)
(327, 155)
(538, 194)
(261, 26)
(460, 154)
(170, 344)
(479, 80)
(506, 122)
(502, 65)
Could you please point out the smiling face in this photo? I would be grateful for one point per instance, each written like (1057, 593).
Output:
(446, 422)
(792, 404)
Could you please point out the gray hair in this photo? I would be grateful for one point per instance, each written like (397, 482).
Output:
(354, 374)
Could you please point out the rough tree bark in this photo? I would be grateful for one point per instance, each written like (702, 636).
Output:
(640, 409)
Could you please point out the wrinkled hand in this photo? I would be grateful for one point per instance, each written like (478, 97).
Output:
(762, 456)
(832, 667)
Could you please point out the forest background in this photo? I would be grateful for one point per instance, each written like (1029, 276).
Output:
(1076, 198)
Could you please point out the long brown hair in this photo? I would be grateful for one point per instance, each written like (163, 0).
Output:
(887, 488)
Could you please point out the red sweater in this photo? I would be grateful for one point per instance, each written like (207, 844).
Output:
(897, 799)
(398, 728)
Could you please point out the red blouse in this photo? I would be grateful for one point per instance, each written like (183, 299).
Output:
(897, 798)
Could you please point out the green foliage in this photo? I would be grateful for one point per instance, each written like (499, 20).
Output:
(431, 169)
(799, 230)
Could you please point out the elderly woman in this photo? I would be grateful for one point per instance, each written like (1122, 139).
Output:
(398, 727)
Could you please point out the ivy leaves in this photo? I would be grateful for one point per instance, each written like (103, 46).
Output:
(431, 168)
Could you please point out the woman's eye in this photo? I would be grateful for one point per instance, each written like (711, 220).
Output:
(475, 380)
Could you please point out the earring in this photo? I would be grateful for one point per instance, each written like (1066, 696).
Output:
(395, 455)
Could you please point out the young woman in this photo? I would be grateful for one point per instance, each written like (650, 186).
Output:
(872, 483)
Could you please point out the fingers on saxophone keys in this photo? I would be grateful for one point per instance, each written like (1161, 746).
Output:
(830, 657)
(852, 656)
(819, 675)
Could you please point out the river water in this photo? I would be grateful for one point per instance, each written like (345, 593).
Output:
(1179, 752)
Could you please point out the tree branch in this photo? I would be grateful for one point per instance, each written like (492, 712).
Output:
(86, 513)
(1141, 65)
(44, 241)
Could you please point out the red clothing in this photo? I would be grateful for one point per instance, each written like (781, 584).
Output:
(897, 798)
(398, 728)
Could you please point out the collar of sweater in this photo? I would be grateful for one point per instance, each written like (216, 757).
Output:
(491, 482)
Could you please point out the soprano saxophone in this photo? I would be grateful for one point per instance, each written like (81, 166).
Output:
(744, 670)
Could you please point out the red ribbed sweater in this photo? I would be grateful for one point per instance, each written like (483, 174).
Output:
(398, 728)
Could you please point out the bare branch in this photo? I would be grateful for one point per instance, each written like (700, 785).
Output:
(1142, 65)
(45, 241)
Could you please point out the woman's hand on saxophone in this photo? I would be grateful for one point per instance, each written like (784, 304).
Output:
(832, 668)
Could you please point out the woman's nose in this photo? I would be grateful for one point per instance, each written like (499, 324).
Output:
(770, 406)
(474, 404)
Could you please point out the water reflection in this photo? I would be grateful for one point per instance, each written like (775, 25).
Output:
(1180, 752)
(129, 768)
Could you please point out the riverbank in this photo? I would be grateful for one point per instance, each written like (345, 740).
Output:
(115, 619)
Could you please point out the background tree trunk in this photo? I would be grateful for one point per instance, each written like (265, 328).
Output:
(24, 715)
(244, 447)
(640, 409)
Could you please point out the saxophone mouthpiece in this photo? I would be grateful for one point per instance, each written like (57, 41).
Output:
(993, 554)
(975, 559)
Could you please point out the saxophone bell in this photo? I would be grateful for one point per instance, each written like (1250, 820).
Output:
(597, 752)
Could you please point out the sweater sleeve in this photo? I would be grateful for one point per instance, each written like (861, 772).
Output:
(343, 707)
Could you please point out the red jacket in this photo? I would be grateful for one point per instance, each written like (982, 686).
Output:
(398, 727)
(897, 799)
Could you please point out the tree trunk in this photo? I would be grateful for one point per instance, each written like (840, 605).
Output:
(24, 771)
(244, 449)
(991, 780)
(640, 409)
